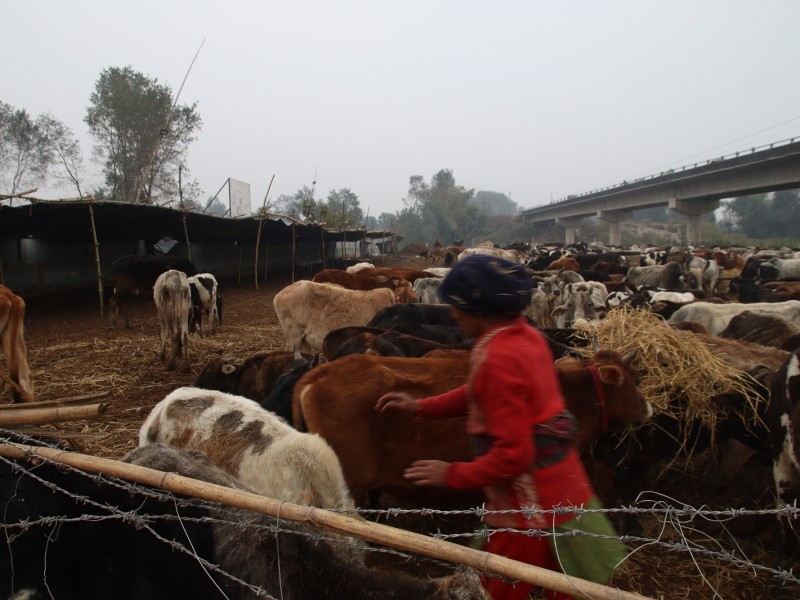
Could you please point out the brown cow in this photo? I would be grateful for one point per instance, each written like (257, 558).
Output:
(374, 449)
(565, 262)
(364, 279)
(12, 318)
(409, 274)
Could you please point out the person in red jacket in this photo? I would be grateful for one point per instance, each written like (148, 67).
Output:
(522, 434)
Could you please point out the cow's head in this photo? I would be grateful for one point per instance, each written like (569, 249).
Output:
(625, 404)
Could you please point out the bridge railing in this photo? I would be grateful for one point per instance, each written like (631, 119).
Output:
(577, 197)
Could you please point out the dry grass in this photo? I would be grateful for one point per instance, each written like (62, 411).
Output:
(674, 364)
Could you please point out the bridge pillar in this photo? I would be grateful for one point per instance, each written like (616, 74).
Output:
(614, 218)
(693, 209)
(570, 224)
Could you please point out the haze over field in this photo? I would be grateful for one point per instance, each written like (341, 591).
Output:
(536, 100)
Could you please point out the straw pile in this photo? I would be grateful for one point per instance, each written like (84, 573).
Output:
(681, 375)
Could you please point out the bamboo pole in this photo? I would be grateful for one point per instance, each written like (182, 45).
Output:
(258, 242)
(26, 397)
(56, 402)
(97, 259)
(263, 215)
(327, 521)
(266, 263)
(38, 416)
(294, 248)
(322, 244)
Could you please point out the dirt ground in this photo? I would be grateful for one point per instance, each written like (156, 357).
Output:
(73, 351)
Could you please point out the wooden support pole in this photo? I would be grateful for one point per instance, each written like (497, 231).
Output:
(322, 244)
(258, 242)
(327, 521)
(98, 266)
(294, 248)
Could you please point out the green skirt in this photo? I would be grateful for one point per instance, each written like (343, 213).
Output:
(586, 556)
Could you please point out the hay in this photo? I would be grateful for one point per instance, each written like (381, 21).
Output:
(680, 375)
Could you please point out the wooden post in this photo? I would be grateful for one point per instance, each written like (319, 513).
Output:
(324, 520)
(260, 227)
(258, 241)
(322, 239)
(239, 277)
(186, 235)
(294, 248)
(98, 266)
(266, 263)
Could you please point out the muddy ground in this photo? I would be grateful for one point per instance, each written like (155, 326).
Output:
(73, 351)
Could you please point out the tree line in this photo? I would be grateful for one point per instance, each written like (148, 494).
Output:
(141, 139)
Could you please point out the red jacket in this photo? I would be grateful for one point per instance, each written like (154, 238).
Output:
(512, 387)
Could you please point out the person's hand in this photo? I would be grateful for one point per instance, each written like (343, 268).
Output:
(399, 401)
(428, 472)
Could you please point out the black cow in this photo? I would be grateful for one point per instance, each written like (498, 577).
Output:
(401, 316)
(255, 378)
(136, 274)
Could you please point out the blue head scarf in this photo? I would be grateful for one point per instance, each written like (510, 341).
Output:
(487, 285)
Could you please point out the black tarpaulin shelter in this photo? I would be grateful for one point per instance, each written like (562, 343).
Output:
(49, 245)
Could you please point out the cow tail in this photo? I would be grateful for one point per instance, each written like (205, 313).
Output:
(14, 345)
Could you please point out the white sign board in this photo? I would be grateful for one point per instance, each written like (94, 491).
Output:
(240, 198)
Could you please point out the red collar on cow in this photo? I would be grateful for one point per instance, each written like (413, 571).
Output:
(601, 398)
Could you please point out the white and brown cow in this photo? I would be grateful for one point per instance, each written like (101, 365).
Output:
(173, 298)
(12, 318)
(308, 311)
(258, 448)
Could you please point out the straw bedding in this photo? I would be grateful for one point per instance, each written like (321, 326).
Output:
(72, 351)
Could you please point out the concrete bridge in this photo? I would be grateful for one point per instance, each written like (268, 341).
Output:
(691, 190)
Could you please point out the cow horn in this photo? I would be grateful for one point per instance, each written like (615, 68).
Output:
(595, 343)
(630, 356)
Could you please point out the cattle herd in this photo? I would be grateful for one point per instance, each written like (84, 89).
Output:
(299, 424)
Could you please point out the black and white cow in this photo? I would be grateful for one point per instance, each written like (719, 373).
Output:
(206, 301)
(783, 420)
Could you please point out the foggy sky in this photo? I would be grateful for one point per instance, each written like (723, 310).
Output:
(537, 100)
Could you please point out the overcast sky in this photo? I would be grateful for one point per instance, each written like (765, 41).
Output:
(534, 99)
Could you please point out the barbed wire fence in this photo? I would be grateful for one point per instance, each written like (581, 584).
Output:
(679, 532)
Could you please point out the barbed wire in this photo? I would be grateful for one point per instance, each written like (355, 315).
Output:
(673, 515)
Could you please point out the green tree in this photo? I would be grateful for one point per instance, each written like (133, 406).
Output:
(495, 203)
(446, 211)
(763, 216)
(342, 210)
(25, 153)
(307, 206)
(141, 137)
(286, 205)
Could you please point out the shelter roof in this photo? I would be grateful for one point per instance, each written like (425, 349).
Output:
(71, 220)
